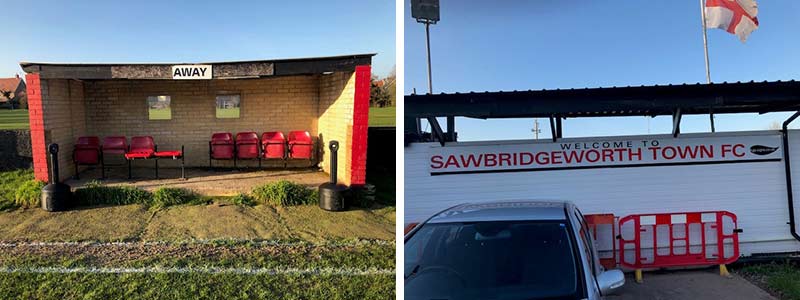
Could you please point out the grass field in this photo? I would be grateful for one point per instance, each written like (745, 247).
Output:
(194, 286)
(196, 222)
(227, 113)
(13, 119)
(214, 251)
(160, 114)
(382, 116)
(781, 279)
(232, 270)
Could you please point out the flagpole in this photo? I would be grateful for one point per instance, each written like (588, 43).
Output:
(705, 49)
(705, 38)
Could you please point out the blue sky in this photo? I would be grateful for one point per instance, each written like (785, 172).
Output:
(195, 31)
(548, 44)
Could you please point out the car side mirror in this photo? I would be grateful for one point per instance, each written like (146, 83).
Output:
(609, 281)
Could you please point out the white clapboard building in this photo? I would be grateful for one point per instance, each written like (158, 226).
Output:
(741, 172)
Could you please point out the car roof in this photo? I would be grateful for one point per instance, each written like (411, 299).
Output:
(503, 211)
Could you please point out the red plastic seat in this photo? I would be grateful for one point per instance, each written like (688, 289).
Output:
(221, 146)
(247, 145)
(171, 154)
(86, 152)
(301, 146)
(141, 147)
(273, 145)
(115, 145)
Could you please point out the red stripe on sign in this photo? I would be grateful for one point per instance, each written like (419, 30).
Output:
(663, 219)
(693, 218)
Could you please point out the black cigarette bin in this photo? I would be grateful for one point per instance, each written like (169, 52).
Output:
(331, 194)
(56, 196)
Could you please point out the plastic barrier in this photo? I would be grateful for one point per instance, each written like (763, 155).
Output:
(678, 239)
(604, 231)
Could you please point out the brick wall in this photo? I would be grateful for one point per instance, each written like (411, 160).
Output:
(336, 120)
(270, 104)
(320, 104)
(64, 118)
(36, 119)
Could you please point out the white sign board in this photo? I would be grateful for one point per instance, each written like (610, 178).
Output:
(191, 72)
(607, 153)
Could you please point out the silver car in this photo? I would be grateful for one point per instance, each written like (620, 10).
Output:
(506, 250)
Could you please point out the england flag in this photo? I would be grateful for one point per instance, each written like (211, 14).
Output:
(734, 16)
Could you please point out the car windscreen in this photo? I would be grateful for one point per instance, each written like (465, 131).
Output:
(492, 260)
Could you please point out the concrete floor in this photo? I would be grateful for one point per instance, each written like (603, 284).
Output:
(689, 284)
(210, 182)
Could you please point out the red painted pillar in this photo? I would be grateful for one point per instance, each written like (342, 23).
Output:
(38, 146)
(358, 160)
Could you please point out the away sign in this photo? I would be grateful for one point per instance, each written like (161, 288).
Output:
(191, 72)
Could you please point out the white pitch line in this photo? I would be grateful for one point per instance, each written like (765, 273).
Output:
(201, 242)
(208, 270)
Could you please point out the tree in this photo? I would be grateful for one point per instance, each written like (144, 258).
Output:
(378, 95)
(383, 91)
(391, 87)
(7, 95)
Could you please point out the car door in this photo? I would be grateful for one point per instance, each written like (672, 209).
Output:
(596, 266)
(588, 255)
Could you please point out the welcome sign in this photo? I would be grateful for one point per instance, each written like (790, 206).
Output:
(606, 153)
(191, 72)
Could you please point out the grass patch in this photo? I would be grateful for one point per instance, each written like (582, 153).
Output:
(382, 116)
(285, 193)
(209, 222)
(227, 113)
(314, 224)
(9, 182)
(29, 194)
(94, 193)
(195, 286)
(112, 223)
(243, 199)
(14, 119)
(167, 196)
(160, 114)
(783, 278)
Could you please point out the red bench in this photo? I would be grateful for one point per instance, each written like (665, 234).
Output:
(273, 145)
(87, 153)
(143, 147)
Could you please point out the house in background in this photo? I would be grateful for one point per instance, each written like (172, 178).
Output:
(12, 92)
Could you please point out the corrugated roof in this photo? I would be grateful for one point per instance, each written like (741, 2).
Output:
(26, 63)
(698, 98)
